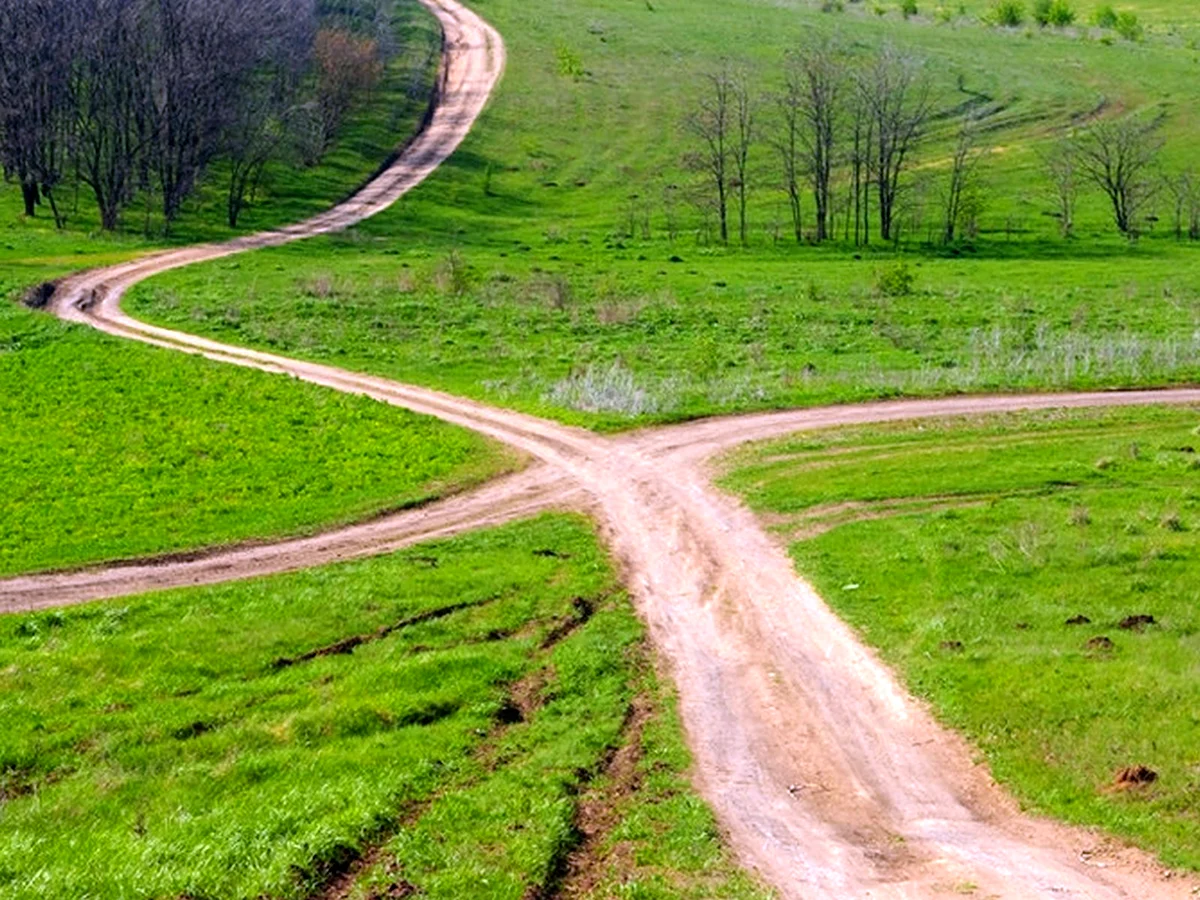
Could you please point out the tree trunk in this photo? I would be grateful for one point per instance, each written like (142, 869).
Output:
(31, 196)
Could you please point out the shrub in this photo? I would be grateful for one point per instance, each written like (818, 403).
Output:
(1008, 13)
(1105, 16)
(908, 8)
(1056, 13)
(1061, 14)
(897, 280)
(1128, 26)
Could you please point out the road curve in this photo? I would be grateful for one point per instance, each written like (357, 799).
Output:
(827, 777)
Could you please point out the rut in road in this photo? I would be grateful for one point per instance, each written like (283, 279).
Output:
(828, 779)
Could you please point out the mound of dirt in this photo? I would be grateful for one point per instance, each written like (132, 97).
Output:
(1134, 776)
(1079, 620)
(39, 297)
(1100, 643)
(1136, 623)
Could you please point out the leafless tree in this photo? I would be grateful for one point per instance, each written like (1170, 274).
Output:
(265, 111)
(862, 154)
(962, 178)
(1061, 164)
(896, 96)
(744, 134)
(789, 146)
(812, 106)
(1185, 191)
(108, 90)
(713, 123)
(37, 39)
(348, 66)
(1119, 157)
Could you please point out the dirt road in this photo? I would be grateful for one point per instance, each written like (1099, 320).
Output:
(826, 776)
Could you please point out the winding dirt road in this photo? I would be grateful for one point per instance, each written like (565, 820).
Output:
(827, 777)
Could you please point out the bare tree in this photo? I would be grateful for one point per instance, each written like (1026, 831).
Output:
(744, 133)
(862, 153)
(962, 178)
(1185, 191)
(37, 40)
(265, 111)
(1061, 164)
(348, 66)
(108, 93)
(713, 124)
(896, 96)
(787, 143)
(816, 81)
(1119, 157)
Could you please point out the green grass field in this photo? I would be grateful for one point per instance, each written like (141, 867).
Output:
(117, 450)
(434, 719)
(537, 269)
(964, 549)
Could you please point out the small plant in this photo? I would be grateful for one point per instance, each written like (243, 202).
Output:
(897, 280)
(1080, 516)
(1007, 13)
(1061, 14)
(908, 8)
(831, 6)
(453, 277)
(1172, 522)
(1053, 13)
(1129, 26)
(570, 64)
(1104, 16)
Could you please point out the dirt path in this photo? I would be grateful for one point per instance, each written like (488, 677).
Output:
(827, 777)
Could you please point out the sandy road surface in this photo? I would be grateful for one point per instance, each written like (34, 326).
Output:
(827, 777)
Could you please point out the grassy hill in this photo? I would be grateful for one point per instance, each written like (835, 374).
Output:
(558, 263)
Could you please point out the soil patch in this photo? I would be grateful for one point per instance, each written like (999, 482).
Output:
(1134, 777)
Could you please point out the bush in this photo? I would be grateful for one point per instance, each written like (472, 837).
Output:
(1128, 26)
(1055, 13)
(897, 280)
(908, 8)
(1008, 13)
(1105, 16)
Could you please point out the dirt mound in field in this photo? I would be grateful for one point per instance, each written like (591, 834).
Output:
(1136, 623)
(1134, 777)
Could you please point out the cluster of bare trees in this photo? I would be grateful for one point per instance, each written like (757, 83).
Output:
(1119, 158)
(842, 131)
(136, 98)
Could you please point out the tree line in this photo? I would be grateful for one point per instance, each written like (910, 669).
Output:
(843, 132)
(137, 98)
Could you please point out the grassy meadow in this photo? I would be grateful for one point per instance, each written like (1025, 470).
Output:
(1001, 565)
(577, 277)
(430, 721)
(116, 450)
